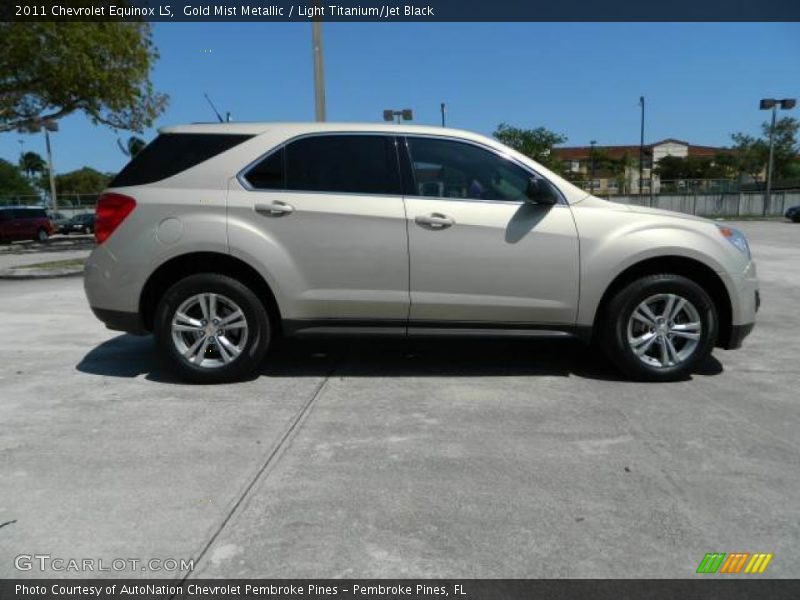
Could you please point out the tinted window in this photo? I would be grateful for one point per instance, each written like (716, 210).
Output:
(268, 174)
(448, 169)
(359, 164)
(171, 153)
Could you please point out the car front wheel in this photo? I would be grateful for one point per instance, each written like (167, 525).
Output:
(211, 328)
(41, 235)
(659, 328)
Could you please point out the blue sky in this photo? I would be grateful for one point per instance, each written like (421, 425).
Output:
(701, 81)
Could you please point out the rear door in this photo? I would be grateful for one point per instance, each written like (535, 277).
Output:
(480, 254)
(324, 215)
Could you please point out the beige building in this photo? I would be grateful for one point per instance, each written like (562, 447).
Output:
(625, 180)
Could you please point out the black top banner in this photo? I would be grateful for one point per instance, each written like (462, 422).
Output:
(426, 11)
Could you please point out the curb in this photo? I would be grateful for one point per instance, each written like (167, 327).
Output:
(10, 274)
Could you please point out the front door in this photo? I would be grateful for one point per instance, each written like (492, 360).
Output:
(480, 254)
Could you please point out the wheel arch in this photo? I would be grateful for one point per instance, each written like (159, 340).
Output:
(204, 262)
(693, 269)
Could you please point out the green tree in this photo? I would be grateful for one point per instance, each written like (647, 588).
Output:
(82, 181)
(786, 145)
(751, 155)
(689, 167)
(50, 70)
(534, 143)
(32, 164)
(12, 181)
(132, 147)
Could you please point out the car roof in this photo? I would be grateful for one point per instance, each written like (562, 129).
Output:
(313, 127)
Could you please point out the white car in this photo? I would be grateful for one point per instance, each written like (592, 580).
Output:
(217, 238)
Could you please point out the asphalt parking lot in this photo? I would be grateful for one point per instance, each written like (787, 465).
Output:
(468, 459)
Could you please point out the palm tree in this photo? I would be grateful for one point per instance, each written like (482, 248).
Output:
(32, 164)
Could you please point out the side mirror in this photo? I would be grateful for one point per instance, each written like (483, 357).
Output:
(540, 191)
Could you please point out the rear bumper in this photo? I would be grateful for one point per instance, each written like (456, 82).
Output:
(121, 321)
(738, 333)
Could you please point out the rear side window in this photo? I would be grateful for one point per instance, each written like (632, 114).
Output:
(171, 153)
(350, 164)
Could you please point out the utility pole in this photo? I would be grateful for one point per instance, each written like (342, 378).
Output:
(319, 74)
(442, 108)
(49, 126)
(591, 184)
(641, 149)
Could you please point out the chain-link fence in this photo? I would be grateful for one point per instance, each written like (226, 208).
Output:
(68, 204)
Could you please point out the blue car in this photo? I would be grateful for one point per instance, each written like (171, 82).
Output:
(793, 214)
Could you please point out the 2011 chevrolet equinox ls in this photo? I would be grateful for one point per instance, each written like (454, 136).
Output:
(218, 238)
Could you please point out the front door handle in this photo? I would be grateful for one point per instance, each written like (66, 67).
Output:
(274, 209)
(434, 221)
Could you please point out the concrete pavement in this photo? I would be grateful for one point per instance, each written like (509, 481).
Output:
(387, 459)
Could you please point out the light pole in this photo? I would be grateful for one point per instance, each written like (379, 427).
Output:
(591, 157)
(767, 104)
(641, 149)
(442, 108)
(319, 74)
(49, 126)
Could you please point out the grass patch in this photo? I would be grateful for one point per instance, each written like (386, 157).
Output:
(55, 264)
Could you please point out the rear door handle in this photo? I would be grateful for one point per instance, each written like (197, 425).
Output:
(274, 209)
(434, 221)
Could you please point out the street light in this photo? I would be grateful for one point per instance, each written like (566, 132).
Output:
(49, 126)
(591, 155)
(767, 104)
(406, 114)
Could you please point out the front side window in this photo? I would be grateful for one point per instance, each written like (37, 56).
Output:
(349, 164)
(450, 169)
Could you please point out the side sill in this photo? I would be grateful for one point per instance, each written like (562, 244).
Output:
(402, 328)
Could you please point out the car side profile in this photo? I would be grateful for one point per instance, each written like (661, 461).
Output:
(218, 238)
(24, 223)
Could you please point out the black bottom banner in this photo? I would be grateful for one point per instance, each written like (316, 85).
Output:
(391, 589)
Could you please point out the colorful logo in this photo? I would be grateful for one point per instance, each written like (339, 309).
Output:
(730, 564)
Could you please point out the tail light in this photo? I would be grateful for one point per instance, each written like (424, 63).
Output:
(111, 212)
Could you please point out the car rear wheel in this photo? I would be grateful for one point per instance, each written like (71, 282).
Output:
(659, 328)
(41, 235)
(211, 328)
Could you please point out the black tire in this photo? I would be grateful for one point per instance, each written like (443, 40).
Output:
(613, 326)
(259, 333)
(41, 235)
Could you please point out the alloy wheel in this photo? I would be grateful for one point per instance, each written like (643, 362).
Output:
(664, 330)
(209, 330)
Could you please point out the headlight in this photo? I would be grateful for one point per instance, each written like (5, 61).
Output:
(735, 237)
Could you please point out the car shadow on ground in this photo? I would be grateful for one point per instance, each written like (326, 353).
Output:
(129, 356)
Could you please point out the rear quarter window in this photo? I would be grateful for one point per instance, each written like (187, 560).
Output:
(171, 153)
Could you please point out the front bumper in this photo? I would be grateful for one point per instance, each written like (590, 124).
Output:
(738, 333)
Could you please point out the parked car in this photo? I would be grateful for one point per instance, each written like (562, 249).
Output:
(793, 214)
(24, 223)
(59, 220)
(219, 238)
(79, 224)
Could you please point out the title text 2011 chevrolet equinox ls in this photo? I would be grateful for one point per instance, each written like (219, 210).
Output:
(218, 238)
